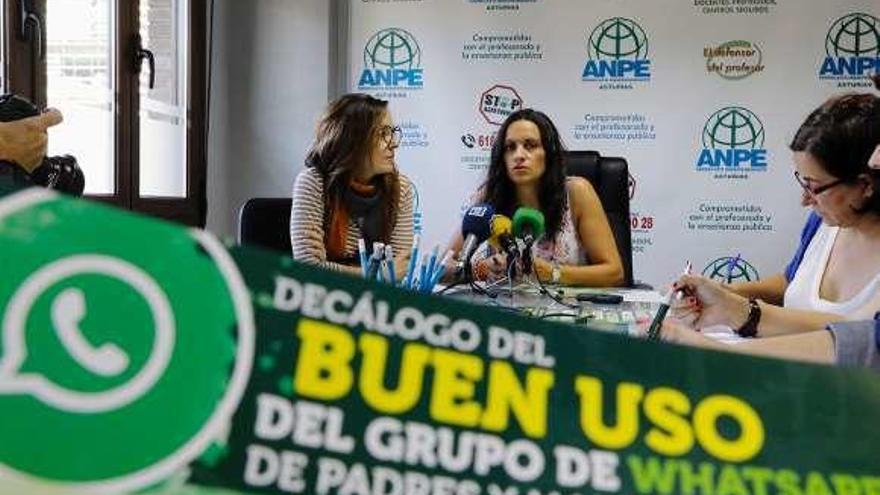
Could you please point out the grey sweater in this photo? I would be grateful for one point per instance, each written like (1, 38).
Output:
(855, 343)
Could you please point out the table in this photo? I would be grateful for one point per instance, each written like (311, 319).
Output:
(629, 317)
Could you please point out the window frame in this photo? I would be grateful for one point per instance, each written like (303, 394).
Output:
(27, 77)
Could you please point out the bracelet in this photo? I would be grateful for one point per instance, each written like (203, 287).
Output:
(555, 273)
(749, 329)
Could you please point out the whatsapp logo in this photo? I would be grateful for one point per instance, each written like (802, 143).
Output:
(65, 315)
(126, 345)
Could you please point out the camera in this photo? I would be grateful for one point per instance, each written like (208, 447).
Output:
(60, 173)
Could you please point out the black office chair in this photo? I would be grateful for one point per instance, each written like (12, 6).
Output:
(265, 222)
(610, 178)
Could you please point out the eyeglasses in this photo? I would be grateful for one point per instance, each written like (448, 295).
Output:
(815, 190)
(390, 135)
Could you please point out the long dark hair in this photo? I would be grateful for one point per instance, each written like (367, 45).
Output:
(498, 189)
(344, 139)
(842, 134)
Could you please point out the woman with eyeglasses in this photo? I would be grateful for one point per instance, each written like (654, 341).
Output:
(835, 272)
(526, 170)
(350, 188)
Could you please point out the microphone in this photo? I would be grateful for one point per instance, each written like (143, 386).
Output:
(528, 225)
(475, 228)
(502, 237)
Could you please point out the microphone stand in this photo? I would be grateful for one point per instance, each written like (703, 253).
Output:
(529, 271)
(465, 275)
(513, 255)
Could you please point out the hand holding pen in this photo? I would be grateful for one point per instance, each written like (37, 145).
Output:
(707, 303)
(677, 291)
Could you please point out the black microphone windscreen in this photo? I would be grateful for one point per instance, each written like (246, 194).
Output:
(477, 221)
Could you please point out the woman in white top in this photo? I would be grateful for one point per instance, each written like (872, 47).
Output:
(526, 170)
(836, 273)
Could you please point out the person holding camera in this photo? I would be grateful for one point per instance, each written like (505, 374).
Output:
(23, 142)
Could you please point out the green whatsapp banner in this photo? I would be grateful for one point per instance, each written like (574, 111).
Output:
(141, 357)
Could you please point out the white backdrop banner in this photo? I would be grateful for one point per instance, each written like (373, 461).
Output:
(701, 97)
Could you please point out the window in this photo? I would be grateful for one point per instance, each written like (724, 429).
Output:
(129, 77)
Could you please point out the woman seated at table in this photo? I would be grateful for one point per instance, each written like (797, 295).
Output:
(835, 274)
(526, 170)
(350, 188)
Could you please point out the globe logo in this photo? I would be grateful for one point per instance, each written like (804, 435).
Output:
(854, 35)
(392, 48)
(733, 127)
(729, 269)
(618, 38)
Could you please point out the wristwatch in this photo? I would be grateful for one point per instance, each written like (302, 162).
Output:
(555, 273)
(749, 329)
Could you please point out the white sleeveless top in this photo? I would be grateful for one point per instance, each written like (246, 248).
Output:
(803, 290)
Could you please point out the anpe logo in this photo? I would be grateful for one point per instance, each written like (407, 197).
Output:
(852, 47)
(729, 269)
(392, 59)
(733, 140)
(618, 51)
(499, 101)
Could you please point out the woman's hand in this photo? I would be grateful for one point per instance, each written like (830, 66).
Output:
(677, 333)
(543, 269)
(492, 268)
(705, 303)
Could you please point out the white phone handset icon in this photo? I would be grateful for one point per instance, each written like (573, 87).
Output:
(68, 310)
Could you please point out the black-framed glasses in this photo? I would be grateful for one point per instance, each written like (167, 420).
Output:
(815, 190)
(390, 135)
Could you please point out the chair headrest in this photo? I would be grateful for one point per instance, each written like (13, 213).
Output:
(583, 163)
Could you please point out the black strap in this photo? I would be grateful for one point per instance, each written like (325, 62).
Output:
(749, 329)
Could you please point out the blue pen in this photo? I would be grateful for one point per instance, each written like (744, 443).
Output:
(429, 271)
(413, 281)
(731, 264)
(413, 259)
(440, 269)
(362, 252)
(389, 260)
(423, 274)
